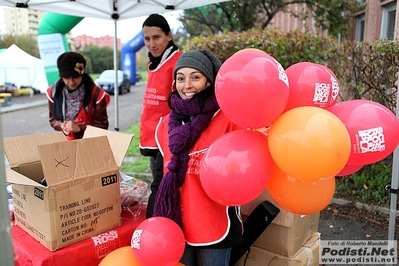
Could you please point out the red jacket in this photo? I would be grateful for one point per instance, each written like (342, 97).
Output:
(205, 222)
(84, 117)
(155, 105)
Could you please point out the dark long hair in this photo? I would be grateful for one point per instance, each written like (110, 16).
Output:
(87, 82)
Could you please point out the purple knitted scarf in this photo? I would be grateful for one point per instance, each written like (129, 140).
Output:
(181, 138)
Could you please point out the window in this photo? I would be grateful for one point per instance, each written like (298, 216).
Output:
(360, 20)
(388, 21)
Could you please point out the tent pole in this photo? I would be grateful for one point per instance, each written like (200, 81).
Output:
(7, 251)
(394, 184)
(116, 89)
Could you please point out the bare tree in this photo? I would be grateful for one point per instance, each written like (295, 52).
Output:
(26, 42)
(331, 15)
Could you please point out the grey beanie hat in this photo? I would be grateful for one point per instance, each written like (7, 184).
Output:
(202, 60)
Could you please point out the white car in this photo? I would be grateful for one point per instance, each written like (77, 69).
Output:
(106, 81)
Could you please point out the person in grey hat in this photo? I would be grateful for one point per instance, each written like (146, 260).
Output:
(163, 54)
(195, 121)
(75, 101)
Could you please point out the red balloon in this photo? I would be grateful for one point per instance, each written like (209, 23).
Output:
(158, 241)
(300, 197)
(311, 85)
(373, 130)
(236, 167)
(252, 88)
(349, 169)
(334, 83)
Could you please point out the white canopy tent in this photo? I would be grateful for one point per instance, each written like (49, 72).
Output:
(111, 10)
(105, 9)
(22, 69)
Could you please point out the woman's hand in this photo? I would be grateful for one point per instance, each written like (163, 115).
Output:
(69, 127)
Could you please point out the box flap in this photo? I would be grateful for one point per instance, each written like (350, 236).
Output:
(72, 160)
(14, 177)
(313, 239)
(119, 141)
(23, 149)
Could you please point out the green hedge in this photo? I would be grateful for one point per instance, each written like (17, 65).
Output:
(364, 70)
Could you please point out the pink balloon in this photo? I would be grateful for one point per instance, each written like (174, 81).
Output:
(252, 88)
(236, 167)
(334, 83)
(158, 241)
(373, 130)
(311, 85)
(349, 169)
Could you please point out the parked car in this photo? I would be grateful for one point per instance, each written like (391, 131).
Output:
(107, 81)
(138, 77)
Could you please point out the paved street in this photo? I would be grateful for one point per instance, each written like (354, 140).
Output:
(34, 120)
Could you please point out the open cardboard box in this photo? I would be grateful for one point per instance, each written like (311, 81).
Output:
(82, 196)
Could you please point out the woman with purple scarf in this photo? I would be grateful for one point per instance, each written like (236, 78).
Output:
(183, 136)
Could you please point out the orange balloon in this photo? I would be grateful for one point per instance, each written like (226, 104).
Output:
(252, 50)
(179, 264)
(120, 257)
(300, 197)
(309, 143)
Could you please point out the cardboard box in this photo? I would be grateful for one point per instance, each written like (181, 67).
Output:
(287, 233)
(307, 255)
(82, 196)
(284, 218)
(288, 240)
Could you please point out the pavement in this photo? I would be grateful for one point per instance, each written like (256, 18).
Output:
(25, 102)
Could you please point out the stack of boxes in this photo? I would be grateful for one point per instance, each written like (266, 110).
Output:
(291, 239)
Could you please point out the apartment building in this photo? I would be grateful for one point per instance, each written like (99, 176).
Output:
(377, 20)
(2, 22)
(82, 41)
(18, 21)
(285, 22)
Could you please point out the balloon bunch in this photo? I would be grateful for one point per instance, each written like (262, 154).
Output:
(297, 138)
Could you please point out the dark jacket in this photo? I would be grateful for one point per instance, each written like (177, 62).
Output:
(95, 105)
